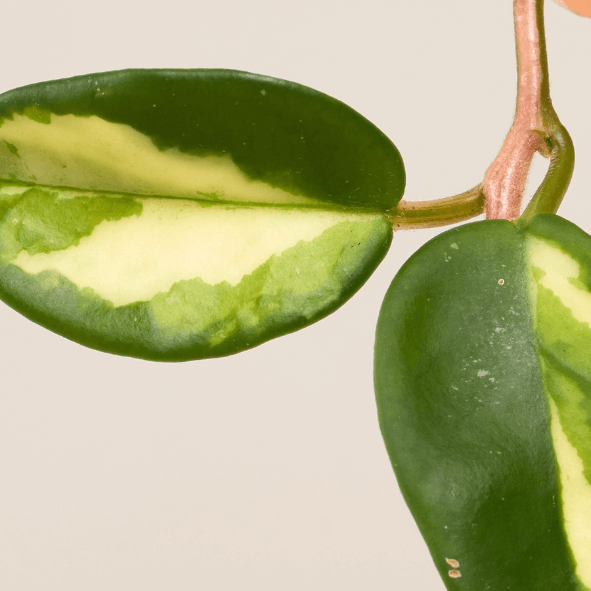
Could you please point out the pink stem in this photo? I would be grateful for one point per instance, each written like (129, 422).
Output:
(504, 181)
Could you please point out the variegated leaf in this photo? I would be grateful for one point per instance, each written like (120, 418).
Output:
(177, 215)
(483, 383)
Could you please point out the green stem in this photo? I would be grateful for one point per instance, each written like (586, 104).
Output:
(550, 193)
(410, 215)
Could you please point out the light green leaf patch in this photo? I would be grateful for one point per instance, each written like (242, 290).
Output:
(138, 256)
(562, 316)
(175, 274)
(287, 288)
(44, 221)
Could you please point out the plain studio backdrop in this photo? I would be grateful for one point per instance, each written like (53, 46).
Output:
(265, 470)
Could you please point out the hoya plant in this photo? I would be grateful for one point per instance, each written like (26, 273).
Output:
(184, 215)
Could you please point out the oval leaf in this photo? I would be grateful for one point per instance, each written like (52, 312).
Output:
(184, 214)
(483, 384)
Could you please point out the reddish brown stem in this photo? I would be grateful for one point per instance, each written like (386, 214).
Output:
(536, 128)
(504, 181)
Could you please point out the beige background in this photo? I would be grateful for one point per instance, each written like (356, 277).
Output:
(266, 470)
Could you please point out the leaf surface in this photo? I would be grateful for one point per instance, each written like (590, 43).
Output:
(483, 384)
(177, 215)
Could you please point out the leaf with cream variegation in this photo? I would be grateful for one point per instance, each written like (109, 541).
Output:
(184, 214)
(483, 384)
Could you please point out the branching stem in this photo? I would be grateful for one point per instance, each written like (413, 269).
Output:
(536, 128)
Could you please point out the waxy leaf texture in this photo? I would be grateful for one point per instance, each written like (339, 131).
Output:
(483, 385)
(185, 214)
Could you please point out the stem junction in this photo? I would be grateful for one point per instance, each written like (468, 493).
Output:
(536, 128)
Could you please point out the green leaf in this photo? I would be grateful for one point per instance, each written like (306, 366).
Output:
(184, 214)
(483, 385)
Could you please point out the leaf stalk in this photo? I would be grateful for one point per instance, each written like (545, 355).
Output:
(411, 215)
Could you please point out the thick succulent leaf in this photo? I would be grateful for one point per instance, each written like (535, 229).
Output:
(179, 215)
(483, 384)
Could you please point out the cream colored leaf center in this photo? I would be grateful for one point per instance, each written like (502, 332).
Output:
(91, 153)
(135, 258)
